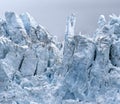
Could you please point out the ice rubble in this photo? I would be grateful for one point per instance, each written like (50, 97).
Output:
(36, 69)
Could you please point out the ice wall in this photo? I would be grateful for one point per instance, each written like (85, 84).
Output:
(37, 69)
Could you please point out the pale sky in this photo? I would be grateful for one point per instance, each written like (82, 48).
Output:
(52, 13)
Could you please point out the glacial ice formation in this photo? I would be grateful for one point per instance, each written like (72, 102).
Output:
(36, 69)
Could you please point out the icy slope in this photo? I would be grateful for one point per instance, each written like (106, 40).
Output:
(36, 69)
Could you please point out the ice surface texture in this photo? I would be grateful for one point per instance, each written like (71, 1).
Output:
(37, 69)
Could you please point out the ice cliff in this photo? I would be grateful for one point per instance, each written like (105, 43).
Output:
(37, 69)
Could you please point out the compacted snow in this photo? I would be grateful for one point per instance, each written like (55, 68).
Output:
(37, 69)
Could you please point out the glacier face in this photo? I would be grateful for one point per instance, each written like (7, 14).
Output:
(37, 69)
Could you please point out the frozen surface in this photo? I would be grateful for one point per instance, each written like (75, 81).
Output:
(37, 69)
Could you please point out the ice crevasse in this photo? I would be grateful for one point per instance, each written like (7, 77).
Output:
(37, 69)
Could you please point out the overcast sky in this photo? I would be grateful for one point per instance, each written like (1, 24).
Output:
(52, 13)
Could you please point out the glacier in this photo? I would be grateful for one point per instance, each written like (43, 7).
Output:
(37, 69)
